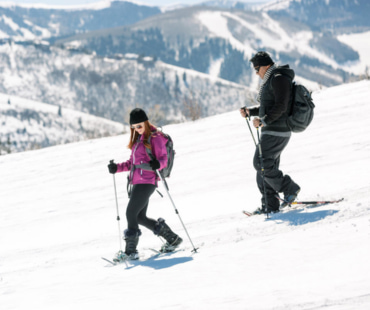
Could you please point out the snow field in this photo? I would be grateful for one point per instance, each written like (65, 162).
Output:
(58, 218)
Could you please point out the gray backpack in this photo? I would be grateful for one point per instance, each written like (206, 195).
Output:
(165, 172)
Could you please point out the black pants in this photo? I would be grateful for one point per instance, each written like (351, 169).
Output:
(275, 181)
(138, 205)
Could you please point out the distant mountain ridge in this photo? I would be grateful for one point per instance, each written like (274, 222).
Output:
(28, 125)
(111, 87)
(221, 41)
(336, 16)
(39, 23)
(231, 4)
(214, 37)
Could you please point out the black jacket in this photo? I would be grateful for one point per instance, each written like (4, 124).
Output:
(276, 100)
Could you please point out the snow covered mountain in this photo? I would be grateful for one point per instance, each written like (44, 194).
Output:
(220, 42)
(58, 217)
(111, 87)
(106, 58)
(232, 4)
(214, 37)
(27, 125)
(40, 22)
(334, 16)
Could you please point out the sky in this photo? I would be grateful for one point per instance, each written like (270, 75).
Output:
(81, 2)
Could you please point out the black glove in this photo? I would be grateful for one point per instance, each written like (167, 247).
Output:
(154, 164)
(112, 167)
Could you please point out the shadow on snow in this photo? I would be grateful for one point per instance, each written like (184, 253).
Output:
(301, 217)
(160, 262)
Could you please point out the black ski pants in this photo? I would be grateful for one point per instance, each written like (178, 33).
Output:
(275, 181)
(138, 206)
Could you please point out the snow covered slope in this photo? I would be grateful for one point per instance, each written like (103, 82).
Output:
(58, 218)
(27, 124)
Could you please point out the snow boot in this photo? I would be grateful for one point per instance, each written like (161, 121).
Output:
(259, 211)
(273, 205)
(289, 198)
(173, 241)
(120, 257)
(132, 240)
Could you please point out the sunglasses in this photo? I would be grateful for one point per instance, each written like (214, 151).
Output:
(137, 126)
(257, 69)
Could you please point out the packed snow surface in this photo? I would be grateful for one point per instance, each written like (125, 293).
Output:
(58, 218)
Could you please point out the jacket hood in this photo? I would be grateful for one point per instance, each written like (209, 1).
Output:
(285, 70)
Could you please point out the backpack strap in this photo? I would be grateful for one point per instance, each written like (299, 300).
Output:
(292, 88)
(146, 166)
(149, 151)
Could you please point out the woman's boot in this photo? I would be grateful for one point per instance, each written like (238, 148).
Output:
(132, 240)
(173, 241)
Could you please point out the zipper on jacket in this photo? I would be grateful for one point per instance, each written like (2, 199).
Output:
(133, 159)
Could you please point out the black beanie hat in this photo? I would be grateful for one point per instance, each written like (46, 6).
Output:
(138, 116)
(261, 59)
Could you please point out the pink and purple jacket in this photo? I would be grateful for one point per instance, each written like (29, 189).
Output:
(140, 156)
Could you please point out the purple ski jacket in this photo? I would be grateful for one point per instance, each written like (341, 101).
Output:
(140, 156)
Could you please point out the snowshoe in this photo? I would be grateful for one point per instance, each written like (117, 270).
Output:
(288, 199)
(122, 256)
(167, 247)
(164, 231)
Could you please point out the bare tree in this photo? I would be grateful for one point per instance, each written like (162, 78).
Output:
(156, 115)
(191, 107)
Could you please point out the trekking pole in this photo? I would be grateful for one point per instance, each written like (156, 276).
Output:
(247, 118)
(118, 218)
(262, 172)
(177, 212)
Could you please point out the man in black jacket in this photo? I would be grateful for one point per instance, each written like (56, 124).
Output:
(275, 99)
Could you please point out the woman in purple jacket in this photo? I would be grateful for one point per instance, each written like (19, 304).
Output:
(144, 180)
